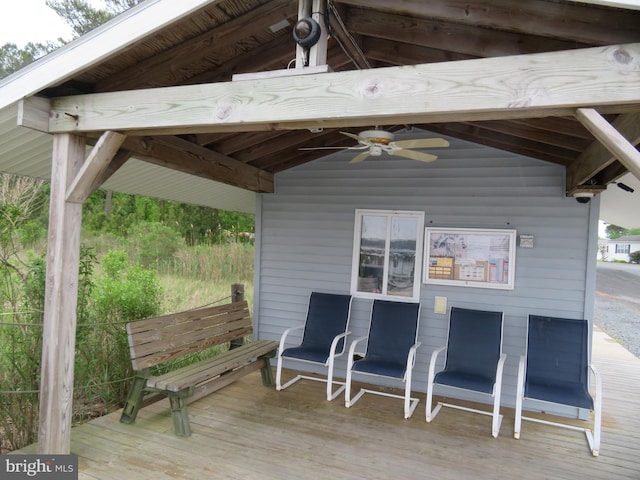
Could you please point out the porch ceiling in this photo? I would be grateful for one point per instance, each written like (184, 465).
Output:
(223, 38)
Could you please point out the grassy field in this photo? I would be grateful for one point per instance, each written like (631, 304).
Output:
(180, 293)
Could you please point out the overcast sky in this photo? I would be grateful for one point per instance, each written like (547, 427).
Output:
(24, 21)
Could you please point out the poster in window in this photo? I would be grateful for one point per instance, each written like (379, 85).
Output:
(470, 257)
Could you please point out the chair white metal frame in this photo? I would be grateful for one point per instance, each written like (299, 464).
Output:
(555, 370)
(324, 338)
(390, 352)
(474, 361)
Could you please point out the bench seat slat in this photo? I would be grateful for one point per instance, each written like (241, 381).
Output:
(197, 373)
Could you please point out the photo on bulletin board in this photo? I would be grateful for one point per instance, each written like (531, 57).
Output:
(470, 257)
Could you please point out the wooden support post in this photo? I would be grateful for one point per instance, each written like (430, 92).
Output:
(237, 295)
(61, 295)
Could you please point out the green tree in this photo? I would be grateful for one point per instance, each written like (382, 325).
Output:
(83, 17)
(13, 58)
(614, 231)
(79, 14)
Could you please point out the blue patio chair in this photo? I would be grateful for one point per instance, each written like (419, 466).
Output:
(474, 361)
(390, 350)
(555, 369)
(323, 339)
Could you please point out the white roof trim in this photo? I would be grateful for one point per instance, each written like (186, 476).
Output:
(630, 4)
(95, 46)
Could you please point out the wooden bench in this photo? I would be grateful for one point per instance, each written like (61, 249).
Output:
(155, 341)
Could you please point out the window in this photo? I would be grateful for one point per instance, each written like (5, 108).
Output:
(622, 248)
(387, 254)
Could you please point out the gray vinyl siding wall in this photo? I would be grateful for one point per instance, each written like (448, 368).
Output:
(305, 240)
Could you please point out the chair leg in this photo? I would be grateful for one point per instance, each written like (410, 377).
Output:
(497, 392)
(597, 413)
(347, 387)
(410, 404)
(497, 418)
(331, 395)
(430, 415)
(279, 373)
(519, 396)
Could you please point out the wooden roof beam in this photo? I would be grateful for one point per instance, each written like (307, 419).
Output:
(525, 86)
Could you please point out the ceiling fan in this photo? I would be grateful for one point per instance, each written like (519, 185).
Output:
(374, 142)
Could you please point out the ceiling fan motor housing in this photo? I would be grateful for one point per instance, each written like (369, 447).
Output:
(377, 136)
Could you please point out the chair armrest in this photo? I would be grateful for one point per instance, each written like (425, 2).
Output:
(352, 350)
(334, 343)
(500, 368)
(284, 337)
(411, 358)
(598, 381)
(432, 362)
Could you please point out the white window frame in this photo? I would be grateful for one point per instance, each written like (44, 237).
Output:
(623, 248)
(355, 266)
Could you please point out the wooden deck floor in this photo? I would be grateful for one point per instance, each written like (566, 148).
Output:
(246, 431)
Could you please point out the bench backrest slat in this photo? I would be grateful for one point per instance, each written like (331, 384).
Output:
(153, 341)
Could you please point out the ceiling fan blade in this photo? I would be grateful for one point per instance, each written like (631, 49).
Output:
(356, 147)
(324, 148)
(360, 157)
(422, 143)
(351, 135)
(413, 155)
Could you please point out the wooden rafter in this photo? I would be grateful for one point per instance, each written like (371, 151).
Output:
(187, 157)
(578, 23)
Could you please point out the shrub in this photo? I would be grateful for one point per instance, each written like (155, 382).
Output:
(127, 292)
(155, 243)
(634, 257)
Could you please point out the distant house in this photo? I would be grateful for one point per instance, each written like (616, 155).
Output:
(619, 249)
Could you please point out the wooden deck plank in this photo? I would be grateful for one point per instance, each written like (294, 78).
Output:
(246, 431)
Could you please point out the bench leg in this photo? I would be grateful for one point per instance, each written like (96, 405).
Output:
(178, 403)
(267, 371)
(134, 400)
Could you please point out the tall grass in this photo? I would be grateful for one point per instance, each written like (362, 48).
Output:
(231, 263)
(191, 277)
